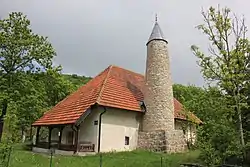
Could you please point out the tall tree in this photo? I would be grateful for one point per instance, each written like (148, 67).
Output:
(40, 92)
(21, 50)
(227, 63)
(216, 137)
(57, 87)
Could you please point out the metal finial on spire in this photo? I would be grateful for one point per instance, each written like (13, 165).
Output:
(156, 32)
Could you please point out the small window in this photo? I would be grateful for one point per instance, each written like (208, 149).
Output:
(126, 140)
(96, 122)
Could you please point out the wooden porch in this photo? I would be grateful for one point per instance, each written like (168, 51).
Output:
(74, 145)
(83, 147)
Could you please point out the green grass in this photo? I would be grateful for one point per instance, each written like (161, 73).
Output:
(21, 158)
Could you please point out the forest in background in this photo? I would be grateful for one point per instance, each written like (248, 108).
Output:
(44, 92)
(30, 84)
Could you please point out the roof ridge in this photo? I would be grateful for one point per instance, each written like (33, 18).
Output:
(127, 70)
(103, 84)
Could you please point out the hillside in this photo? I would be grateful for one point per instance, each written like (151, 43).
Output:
(76, 80)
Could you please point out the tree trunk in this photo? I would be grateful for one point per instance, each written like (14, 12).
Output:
(1, 129)
(23, 135)
(238, 112)
(4, 111)
(241, 133)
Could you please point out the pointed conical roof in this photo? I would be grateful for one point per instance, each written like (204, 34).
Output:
(156, 33)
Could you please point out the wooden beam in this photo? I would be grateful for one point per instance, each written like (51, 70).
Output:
(50, 130)
(76, 139)
(60, 137)
(37, 134)
(82, 118)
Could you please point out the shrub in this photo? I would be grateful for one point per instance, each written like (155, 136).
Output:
(5, 150)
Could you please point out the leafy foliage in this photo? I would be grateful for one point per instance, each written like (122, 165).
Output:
(76, 80)
(5, 151)
(227, 66)
(217, 137)
(29, 84)
(21, 51)
(41, 92)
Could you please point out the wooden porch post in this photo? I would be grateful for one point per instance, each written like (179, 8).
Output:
(60, 137)
(50, 129)
(76, 139)
(37, 134)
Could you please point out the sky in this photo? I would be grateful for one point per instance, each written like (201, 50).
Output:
(90, 35)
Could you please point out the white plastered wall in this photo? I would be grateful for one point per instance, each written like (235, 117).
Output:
(88, 132)
(116, 124)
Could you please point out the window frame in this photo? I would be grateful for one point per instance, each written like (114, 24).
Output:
(127, 140)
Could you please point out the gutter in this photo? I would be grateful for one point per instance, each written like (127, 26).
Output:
(100, 126)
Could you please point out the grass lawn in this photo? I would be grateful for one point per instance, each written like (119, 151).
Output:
(21, 158)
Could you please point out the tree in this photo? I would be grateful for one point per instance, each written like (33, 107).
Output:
(216, 137)
(31, 104)
(189, 96)
(41, 92)
(21, 50)
(56, 86)
(227, 63)
(77, 80)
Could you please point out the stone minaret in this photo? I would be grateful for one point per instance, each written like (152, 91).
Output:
(158, 93)
(157, 130)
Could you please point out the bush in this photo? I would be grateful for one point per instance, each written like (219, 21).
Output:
(5, 150)
(247, 160)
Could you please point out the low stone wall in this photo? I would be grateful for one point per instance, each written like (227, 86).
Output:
(162, 141)
(47, 151)
(61, 152)
(40, 150)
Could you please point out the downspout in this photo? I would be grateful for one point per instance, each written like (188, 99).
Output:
(100, 126)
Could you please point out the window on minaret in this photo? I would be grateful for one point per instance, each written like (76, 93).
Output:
(126, 140)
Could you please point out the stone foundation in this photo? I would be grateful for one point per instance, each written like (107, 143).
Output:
(162, 141)
(48, 151)
(176, 141)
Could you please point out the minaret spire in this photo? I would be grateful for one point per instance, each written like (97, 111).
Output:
(156, 33)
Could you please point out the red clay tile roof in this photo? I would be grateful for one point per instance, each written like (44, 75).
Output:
(114, 87)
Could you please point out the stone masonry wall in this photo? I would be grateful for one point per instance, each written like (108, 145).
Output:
(153, 141)
(158, 92)
(162, 141)
(175, 141)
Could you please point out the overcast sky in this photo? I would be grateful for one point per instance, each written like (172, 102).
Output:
(90, 35)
